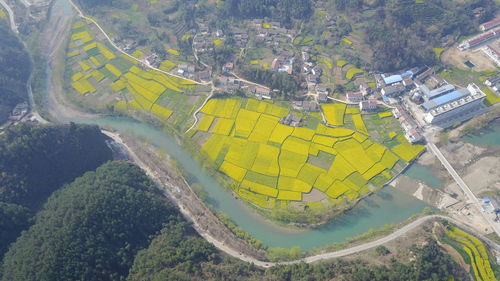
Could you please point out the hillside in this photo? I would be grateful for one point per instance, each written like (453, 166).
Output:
(92, 228)
(15, 69)
(37, 160)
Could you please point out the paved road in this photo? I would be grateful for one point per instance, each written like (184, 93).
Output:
(468, 193)
(11, 16)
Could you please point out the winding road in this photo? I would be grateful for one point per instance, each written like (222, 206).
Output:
(311, 259)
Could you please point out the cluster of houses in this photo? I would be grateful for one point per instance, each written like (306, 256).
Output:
(310, 69)
(203, 42)
(283, 62)
(272, 34)
(410, 127)
(310, 106)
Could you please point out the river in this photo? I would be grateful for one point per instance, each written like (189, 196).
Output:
(385, 207)
(424, 174)
(489, 136)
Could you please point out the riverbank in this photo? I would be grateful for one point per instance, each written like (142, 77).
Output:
(209, 227)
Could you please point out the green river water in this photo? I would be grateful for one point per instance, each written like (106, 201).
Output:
(424, 174)
(385, 207)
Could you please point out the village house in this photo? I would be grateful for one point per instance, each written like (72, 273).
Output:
(322, 97)
(393, 90)
(368, 106)
(262, 92)
(354, 97)
(228, 67)
(321, 89)
(365, 89)
(494, 83)
(291, 120)
(227, 81)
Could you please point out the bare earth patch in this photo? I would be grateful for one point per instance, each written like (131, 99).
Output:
(455, 57)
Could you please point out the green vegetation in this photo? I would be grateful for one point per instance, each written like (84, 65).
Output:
(161, 261)
(31, 157)
(284, 83)
(92, 228)
(403, 32)
(491, 98)
(35, 161)
(15, 68)
(283, 11)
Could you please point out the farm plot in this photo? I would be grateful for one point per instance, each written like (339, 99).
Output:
(99, 70)
(473, 251)
(273, 163)
(334, 113)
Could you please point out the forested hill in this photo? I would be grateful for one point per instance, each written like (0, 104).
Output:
(92, 228)
(403, 33)
(35, 161)
(14, 71)
(113, 224)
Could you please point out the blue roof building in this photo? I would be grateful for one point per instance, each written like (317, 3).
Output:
(444, 99)
(440, 91)
(392, 79)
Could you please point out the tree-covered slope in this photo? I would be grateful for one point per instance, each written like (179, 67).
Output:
(14, 71)
(92, 228)
(36, 160)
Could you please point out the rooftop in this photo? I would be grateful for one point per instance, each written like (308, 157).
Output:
(392, 79)
(491, 23)
(444, 99)
(440, 91)
(475, 94)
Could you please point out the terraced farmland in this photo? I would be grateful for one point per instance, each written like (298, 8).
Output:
(474, 252)
(271, 164)
(274, 164)
(107, 77)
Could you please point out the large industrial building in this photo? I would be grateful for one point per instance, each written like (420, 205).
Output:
(447, 106)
